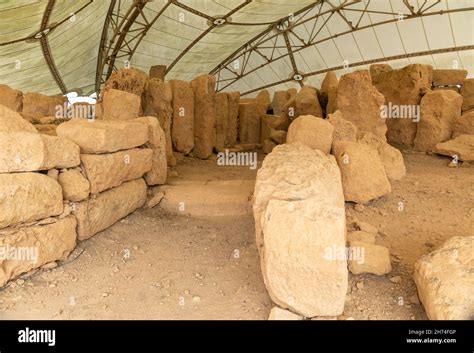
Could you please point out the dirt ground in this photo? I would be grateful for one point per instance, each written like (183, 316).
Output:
(156, 265)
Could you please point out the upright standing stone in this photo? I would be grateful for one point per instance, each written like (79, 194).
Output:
(328, 86)
(157, 142)
(158, 99)
(467, 93)
(129, 80)
(404, 87)
(377, 69)
(439, 113)
(158, 71)
(222, 118)
(182, 130)
(250, 115)
(204, 115)
(233, 122)
(344, 130)
(263, 97)
(307, 103)
(300, 227)
(360, 102)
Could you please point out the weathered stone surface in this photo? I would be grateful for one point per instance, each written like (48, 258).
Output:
(362, 170)
(11, 98)
(328, 85)
(40, 105)
(233, 122)
(445, 77)
(439, 112)
(222, 118)
(75, 185)
(204, 115)
(377, 69)
(105, 171)
(27, 152)
(100, 136)
(267, 121)
(201, 198)
(157, 142)
(27, 197)
(158, 103)
(279, 100)
(344, 130)
(307, 103)
(47, 129)
(250, 115)
(300, 219)
(182, 131)
(391, 157)
(158, 71)
(60, 152)
(375, 259)
(280, 123)
(361, 236)
(467, 93)
(278, 136)
(332, 101)
(359, 102)
(120, 105)
(311, 131)
(263, 97)
(281, 314)
(268, 146)
(128, 80)
(464, 125)
(445, 280)
(404, 87)
(103, 210)
(155, 195)
(462, 148)
(11, 121)
(281, 104)
(40, 244)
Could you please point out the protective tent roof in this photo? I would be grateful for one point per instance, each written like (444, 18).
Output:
(58, 46)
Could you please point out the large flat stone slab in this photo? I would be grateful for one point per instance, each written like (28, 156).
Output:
(27, 197)
(106, 208)
(99, 136)
(31, 247)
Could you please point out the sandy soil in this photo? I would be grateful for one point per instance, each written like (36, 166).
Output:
(154, 265)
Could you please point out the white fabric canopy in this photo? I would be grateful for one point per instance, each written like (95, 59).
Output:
(185, 36)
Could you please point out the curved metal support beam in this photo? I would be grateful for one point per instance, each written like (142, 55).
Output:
(122, 42)
(367, 62)
(213, 25)
(269, 40)
(43, 32)
(259, 36)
